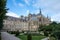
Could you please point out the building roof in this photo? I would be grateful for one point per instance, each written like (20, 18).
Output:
(34, 19)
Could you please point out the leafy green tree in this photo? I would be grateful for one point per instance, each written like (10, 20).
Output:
(53, 29)
(40, 28)
(3, 11)
(45, 29)
(48, 30)
(56, 31)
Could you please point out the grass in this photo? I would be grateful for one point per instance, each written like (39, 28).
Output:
(23, 37)
(34, 37)
(37, 37)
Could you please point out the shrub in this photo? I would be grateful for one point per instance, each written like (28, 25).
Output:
(12, 32)
(45, 33)
(17, 33)
(22, 31)
(29, 37)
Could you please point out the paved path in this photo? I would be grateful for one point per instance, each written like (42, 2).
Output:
(6, 36)
(47, 38)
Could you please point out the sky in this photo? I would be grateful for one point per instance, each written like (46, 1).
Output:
(24, 7)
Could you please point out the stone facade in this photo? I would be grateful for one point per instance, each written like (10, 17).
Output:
(14, 24)
(31, 22)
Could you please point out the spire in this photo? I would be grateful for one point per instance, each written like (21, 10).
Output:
(40, 11)
(47, 16)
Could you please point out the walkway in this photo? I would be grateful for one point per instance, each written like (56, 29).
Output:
(47, 38)
(6, 36)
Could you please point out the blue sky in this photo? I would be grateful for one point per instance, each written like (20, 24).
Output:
(23, 7)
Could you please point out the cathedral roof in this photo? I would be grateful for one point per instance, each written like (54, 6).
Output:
(34, 19)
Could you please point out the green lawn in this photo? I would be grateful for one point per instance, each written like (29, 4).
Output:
(24, 37)
(37, 37)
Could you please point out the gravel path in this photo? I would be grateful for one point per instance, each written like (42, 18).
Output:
(6, 36)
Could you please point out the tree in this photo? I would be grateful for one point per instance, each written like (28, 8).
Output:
(3, 11)
(40, 28)
(53, 29)
(56, 31)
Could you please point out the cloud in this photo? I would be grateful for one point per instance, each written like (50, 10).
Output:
(27, 2)
(36, 11)
(46, 3)
(17, 4)
(10, 13)
(50, 7)
(56, 6)
(56, 17)
(27, 12)
(52, 19)
(20, 4)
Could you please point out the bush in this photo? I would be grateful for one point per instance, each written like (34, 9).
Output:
(29, 37)
(45, 33)
(22, 31)
(12, 32)
(17, 33)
